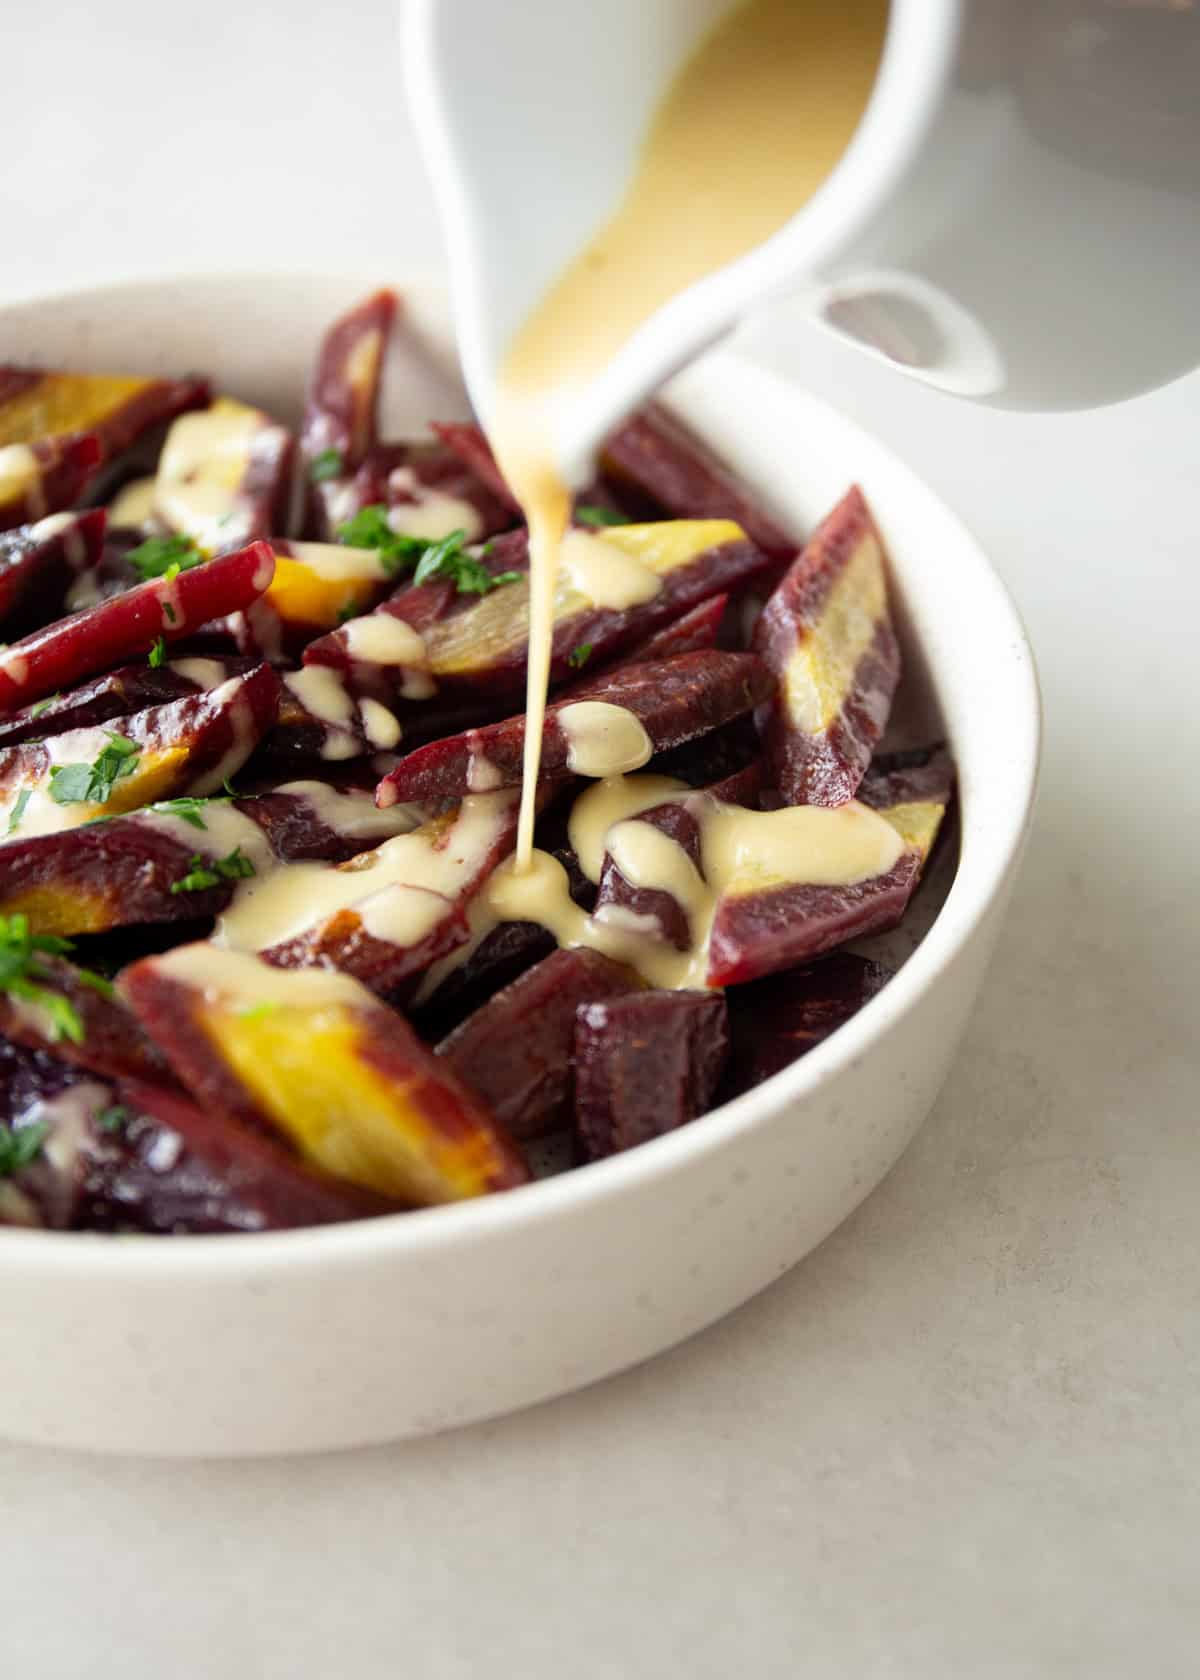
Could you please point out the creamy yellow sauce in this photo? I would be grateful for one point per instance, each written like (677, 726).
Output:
(741, 851)
(751, 127)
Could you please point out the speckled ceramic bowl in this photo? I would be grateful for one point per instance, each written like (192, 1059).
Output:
(347, 1334)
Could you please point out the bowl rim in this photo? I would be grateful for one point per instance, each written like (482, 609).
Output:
(104, 1258)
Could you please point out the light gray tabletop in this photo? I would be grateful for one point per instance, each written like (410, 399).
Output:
(961, 1439)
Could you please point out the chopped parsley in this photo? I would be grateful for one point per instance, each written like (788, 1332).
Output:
(597, 516)
(204, 873)
(579, 656)
(20, 1146)
(349, 611)
(18, 810)
(164, 557)
(36, 710)
(449, 559)
(445, 558)
(157, 653)
(328, 464)
(21, 974)
(76, 784)
(189, 807)
(370, 529)
(112, 1119)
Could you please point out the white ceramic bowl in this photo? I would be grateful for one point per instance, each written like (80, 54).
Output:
(355, 1333)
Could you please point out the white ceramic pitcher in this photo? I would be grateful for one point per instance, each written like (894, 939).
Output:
(1016, 220)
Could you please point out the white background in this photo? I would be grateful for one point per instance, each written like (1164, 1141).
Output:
(960, 1441)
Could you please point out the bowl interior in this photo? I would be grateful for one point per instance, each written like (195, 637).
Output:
(968, 670)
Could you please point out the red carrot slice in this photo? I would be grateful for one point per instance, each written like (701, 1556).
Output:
(314, 1058)
(37, 479)
(670, 702)
(127, 625)
(39, 563)
(827, 634)
(516, 1051)
(645, 1064)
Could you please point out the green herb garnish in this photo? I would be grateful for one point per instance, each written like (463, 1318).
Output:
(21, 974)
(204, 873)
(112, 1119)
(449, 559)
(579, 656)
(76, 784)
(445, 558)
(36, 710)
(190, 808)
(370, 529)
(157, 653)
(21, 1146)
(328, 464)
(164, 557)
(18, 810)
(597, 516)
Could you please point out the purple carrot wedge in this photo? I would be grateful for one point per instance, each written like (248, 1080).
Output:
(665, 462)
(516, 1051)
(182, 860)
(118, 694)
(43, 478)
(322, 724)
(224, 477)
(167, 1166)
(386, 653)
(826, 632)
(134, 1154)
(129, 625)
(117, 409)
(386, 915)
(425, 490)
(48, 1114)
(74, 1015)
(641, 709)
(341, 410)
(471, 446)
(645, 1064)
(316, 1059)
(762, 925)
(39, 563)
(189, 746)
(616, 588)
(774, 1022)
